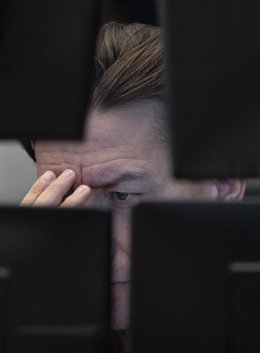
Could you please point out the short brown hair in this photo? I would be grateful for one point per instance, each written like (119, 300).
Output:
(128, 66)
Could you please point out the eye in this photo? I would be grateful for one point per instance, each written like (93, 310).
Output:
(121, 196)
(116, 198)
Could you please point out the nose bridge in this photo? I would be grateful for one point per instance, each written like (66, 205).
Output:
(93, 198)
(80, 161)
(96, 199)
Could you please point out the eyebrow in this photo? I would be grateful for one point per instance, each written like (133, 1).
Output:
(113, 180)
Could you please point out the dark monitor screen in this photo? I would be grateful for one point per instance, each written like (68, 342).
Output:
(195, 278)
(46, 66)
(213, 55)
(128, 11)
(142, 11)
(54, 280)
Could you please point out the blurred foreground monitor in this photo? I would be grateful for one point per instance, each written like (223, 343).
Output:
(195, 278)
(46, 65)
(54, 280)
(213, 57)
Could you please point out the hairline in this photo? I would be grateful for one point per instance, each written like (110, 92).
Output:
(161, 120)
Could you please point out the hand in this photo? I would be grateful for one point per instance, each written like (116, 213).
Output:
(50, 190)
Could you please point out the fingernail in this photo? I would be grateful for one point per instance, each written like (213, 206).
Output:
(48, 176)
(82, 189)
(67, 173)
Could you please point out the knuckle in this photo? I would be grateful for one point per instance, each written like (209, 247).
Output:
(27, 200)
(37, 189)
(54, 188)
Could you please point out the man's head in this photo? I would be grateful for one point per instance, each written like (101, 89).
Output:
(125, 157)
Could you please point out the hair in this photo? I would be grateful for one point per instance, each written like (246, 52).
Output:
(128, 64)
(128, 67)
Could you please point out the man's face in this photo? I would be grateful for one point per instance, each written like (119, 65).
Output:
(123, 161)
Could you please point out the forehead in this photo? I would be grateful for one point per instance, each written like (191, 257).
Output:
(129, 124)
(122, 138)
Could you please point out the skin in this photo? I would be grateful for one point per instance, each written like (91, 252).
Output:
(120, 162)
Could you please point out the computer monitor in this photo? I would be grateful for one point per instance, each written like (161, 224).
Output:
(195, 278)
(142, 11)
(213, 55)
(46, 67)
(54, 280)
(128, 11)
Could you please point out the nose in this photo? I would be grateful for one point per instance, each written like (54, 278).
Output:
(120, 247)
(120, 272)
(120, 264)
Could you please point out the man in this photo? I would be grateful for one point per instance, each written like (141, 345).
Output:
(125, 156)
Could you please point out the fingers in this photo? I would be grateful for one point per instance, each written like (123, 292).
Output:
(56, 190)
(50, 190)
(78, 197)
(38, 187)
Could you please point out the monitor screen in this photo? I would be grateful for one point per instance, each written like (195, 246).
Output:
(54, 280)
(46, 67)
(195, 278)
(213, 55)
(128, 11)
